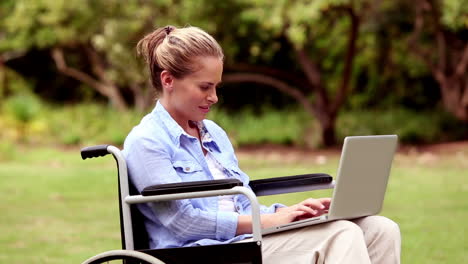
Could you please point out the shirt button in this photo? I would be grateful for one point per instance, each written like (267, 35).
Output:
(237, 208)
(187, 169)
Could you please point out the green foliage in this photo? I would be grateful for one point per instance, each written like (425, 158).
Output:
(98, 124)
(293, 126)
(23, 107)
(96, 36)
(44, 23)
(455, 14)
(259, 32)
(88, 124)
(410, 126)
(23, 120)
(20, 113)
(270, 126)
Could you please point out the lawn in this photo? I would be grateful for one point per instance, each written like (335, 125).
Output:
(57, 208)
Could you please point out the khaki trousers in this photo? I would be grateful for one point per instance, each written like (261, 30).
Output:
(372, 239)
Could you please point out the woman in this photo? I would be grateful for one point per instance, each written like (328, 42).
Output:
(174, 143)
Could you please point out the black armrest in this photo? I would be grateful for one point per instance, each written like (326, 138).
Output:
(195, 186)
(289, 183)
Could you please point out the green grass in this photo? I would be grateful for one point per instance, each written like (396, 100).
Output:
(57, 208)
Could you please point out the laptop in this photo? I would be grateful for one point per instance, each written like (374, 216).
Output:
(361, 181)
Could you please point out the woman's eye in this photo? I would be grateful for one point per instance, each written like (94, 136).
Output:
(204, 88)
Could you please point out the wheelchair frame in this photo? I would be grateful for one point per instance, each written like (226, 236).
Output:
(126, 200)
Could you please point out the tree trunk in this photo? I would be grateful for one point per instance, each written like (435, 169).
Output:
(326, 108)
(349, 60)
(139, 97)
(328, 133)
(448, 69)
(322, 101)
(453, 82)
(455, 96)
(3, 81)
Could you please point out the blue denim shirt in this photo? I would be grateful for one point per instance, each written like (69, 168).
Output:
(159, 151)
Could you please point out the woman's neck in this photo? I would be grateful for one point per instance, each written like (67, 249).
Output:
(183, 123)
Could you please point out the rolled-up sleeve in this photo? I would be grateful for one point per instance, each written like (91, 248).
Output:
(226, 225)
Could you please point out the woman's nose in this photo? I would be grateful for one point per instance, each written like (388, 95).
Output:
(212, 97)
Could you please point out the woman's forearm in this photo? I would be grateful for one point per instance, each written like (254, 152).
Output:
(244, 223)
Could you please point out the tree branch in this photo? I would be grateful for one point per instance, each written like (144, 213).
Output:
(3, 80)
(97, 65)
(104, 87)
(310, 69)
(464, 100)
(313, 75)
(423, 54)
(11, 55)
(272, 82)
(440, 36)
(461, 68)
(287, 76)
(349, 59)
(57, 55)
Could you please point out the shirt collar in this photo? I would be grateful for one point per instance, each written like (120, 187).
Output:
(206, 139)
(175, 131)
(173, 128)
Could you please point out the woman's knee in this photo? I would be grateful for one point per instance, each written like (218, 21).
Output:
(379, 225)
(347, 228)
(350, 240)
(385, 224)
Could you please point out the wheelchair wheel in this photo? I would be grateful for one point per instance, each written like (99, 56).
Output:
(123, 256)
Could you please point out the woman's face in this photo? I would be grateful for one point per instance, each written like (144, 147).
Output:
(190, 98)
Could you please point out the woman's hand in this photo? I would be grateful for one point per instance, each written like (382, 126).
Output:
(305, 209)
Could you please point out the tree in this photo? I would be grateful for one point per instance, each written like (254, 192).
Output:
(103, 34)
(314, 51)
(440, 40)
(323, 36)
(78, 33)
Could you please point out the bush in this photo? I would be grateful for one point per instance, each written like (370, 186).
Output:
(410, 126)
(90, 124)
(87, 124)
(245, 127)
(295, 127)
(22, 110)
(23, 107)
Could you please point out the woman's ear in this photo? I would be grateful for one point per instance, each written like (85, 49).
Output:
(167, 81)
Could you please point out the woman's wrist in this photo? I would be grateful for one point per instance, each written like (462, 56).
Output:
(244, 224)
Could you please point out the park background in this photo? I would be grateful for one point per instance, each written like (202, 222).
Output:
(299, 76)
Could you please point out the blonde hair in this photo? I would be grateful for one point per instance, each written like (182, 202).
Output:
(176, 50)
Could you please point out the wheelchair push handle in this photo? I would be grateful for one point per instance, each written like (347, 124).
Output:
(94, 151)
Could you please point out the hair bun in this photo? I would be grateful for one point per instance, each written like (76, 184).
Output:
(169, 29)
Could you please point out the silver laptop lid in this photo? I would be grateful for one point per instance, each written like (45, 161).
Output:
(362, 176)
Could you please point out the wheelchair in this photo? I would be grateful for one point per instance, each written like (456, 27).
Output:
(134, 238)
